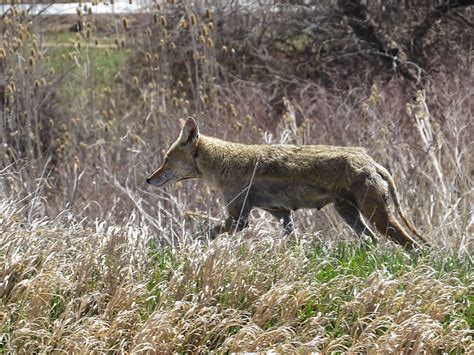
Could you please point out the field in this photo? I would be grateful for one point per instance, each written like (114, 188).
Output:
(94, 260)
(113, 288)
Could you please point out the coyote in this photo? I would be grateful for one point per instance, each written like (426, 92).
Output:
(282, 178)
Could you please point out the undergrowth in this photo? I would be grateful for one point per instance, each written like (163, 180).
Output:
(93, 260)
(118, 288)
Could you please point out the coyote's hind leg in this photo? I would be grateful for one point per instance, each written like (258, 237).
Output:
(351, 215)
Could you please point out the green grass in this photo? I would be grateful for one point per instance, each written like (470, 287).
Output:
(73, 62)
(338, 274)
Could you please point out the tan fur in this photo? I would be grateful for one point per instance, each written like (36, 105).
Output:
(282, 178)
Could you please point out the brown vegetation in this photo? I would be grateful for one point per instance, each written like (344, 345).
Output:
(82, 124)
(250, 76)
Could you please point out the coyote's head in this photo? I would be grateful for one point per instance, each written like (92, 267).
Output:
(179, 163)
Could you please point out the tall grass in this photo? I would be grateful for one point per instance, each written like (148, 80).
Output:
(82, 126)
(92, 259)
(116, 289)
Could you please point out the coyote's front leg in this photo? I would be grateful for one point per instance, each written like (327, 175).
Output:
(236, 221)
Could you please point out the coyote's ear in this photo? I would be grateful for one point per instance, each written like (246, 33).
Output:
(189, 131)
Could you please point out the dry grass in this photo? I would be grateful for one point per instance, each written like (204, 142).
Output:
(92, 260)
(115, 288)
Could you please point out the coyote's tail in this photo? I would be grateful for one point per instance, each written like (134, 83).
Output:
(393, 192)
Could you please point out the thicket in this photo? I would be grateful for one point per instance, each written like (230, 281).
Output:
(83, 123)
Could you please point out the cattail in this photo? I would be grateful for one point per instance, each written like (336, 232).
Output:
(96, 42)
(11, 88)
(43, 82)
(232, 110)
(210, 25)
(122, 43)
(204, 30)
(88, 33)
(35, 44)
(163, 21)
(193, 20)
(125, 23)
(172, 46)
(210, 42)
(155, 18)
(183, 23)
(225, 49)
(162, 42)
(3, 54)
(52, 71)
(201, 39)
(17, 43)
(148, 56)
(156, 57)
(32, 61)
(135, 81)
(208, 13)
